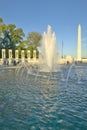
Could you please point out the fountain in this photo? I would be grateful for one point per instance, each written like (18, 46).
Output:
(48, 59)
(49, 51)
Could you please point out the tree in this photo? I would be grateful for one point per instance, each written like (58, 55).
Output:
(1, 21)
(33, 42)
(34, 39)
(10, 36)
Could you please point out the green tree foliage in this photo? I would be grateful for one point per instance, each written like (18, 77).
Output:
(10, 36)
(1, 21)
(33, 39)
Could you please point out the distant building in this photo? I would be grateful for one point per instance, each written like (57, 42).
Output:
(66, 60)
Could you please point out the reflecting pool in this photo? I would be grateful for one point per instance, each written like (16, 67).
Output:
(29, 104)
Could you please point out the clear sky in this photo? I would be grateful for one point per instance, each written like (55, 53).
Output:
(63, 15)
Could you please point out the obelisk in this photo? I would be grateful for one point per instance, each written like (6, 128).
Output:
(79, 44)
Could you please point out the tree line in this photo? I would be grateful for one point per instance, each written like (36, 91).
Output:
(12, 37)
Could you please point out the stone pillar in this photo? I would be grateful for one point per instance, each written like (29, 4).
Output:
(79, 44)
(34, 55)
(41, 58)
(10, 56)
(3, 56)
(39, 54)
(28, 55)
(16, 56)
(22, 56)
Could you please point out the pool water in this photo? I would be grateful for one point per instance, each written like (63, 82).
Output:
(29, 104)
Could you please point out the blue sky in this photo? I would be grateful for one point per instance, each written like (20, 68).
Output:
(63, 15)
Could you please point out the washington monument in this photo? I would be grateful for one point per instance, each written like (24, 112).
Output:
(79, 44)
